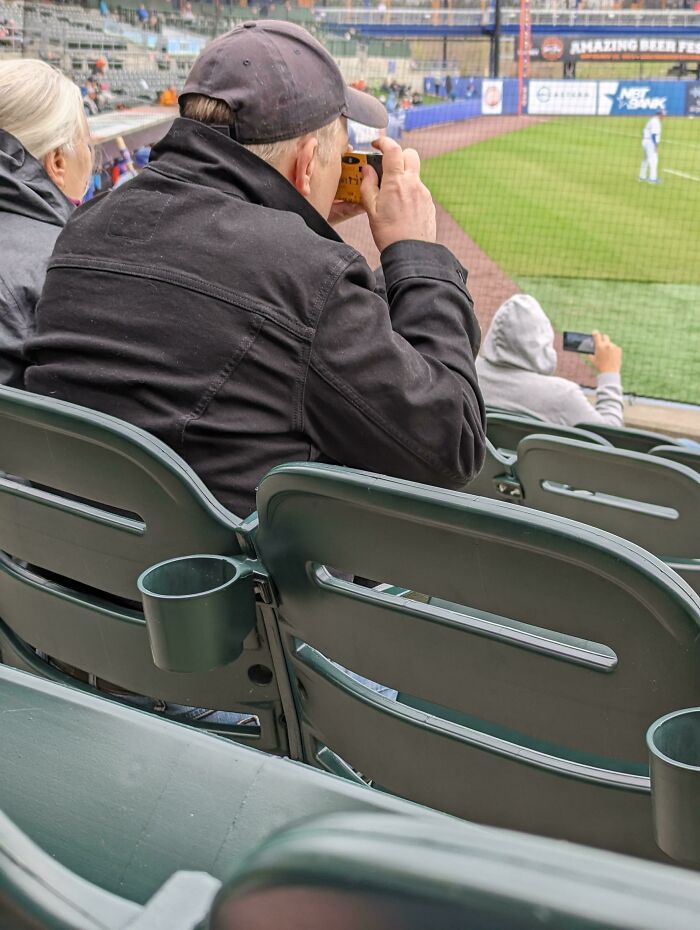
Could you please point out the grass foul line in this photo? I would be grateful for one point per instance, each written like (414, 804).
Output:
(681, 174)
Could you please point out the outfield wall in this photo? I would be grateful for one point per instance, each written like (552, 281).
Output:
(497, 97)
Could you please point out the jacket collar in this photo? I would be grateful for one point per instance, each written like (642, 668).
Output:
(26, 189)
(200, 154)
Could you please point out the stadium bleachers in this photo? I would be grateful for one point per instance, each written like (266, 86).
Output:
(500, 679)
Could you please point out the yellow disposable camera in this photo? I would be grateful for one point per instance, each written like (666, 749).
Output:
(351, 176)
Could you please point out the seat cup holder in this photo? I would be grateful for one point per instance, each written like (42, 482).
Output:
(674, 763)
(198, 609)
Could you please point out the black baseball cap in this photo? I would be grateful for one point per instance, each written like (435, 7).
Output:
(280, 83)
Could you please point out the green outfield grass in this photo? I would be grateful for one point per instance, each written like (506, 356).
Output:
(558, 206)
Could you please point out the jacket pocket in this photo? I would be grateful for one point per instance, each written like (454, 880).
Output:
(248, 330)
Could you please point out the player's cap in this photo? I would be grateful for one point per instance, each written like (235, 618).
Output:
(661, 111)
(280, 83)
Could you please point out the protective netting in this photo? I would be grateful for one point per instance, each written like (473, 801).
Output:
(535, 172)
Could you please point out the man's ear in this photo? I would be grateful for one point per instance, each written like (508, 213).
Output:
(304, 165)
(55, 166)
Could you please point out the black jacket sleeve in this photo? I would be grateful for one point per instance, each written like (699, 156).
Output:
(393, 388)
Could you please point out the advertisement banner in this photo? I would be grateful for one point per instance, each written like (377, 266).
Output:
(637, 98)
(692, 98)
(626, 47)
(492, 97)
(562, 98)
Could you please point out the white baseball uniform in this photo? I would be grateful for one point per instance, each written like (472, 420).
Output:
(650, 143)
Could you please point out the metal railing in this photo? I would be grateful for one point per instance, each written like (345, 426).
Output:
(633, 19)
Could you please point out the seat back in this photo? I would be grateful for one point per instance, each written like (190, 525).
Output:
(114, 844)
(528, 670)
(626, 437)
(124, 799)
(88, 502)
(653, 503)
(400, 873)
(684, 455)
(510, 413)
(506, 431)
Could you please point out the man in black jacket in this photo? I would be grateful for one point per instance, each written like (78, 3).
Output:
(210, 302)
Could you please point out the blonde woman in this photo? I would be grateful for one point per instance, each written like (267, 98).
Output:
(45, 165)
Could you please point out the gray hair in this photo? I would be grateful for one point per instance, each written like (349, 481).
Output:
(41, 107)
(212, 111)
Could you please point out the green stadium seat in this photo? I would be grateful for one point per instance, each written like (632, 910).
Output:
(625, 437)
(124, 799)
(506, 430)
(526, 685)
(651, 502)
(511, 413)
(684, 455)
(114, 820)
(106, 501)
(399, 873)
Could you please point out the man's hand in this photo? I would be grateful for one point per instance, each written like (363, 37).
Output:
(343, 210)
(402, 208)
(607, 356)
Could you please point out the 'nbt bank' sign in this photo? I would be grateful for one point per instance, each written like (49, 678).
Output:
(636, 98)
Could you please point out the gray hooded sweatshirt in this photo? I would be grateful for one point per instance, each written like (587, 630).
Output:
(32, 213)
(516, 371)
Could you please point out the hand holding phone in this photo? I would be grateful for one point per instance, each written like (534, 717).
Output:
(579, 342)
(607, 357)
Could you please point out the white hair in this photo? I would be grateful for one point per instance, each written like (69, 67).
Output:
(41, 107)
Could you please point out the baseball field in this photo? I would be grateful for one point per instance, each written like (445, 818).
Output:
(557, 205)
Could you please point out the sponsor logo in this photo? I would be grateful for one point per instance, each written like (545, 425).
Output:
(693, 100)
(492, 95)
(552, 48)
(637, 99)
(563, 97)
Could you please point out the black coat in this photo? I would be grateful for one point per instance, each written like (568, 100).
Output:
(32, 213)
(207, 302)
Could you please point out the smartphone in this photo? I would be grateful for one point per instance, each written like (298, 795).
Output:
(579, 342)
(351, 175)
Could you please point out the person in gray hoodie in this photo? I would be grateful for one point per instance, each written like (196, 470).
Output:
(516, 369)
(45, 165)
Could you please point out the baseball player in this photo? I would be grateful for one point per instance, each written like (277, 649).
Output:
(651, 137)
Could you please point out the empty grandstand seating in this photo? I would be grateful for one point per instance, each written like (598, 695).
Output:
(499, 717)
(166, 826)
